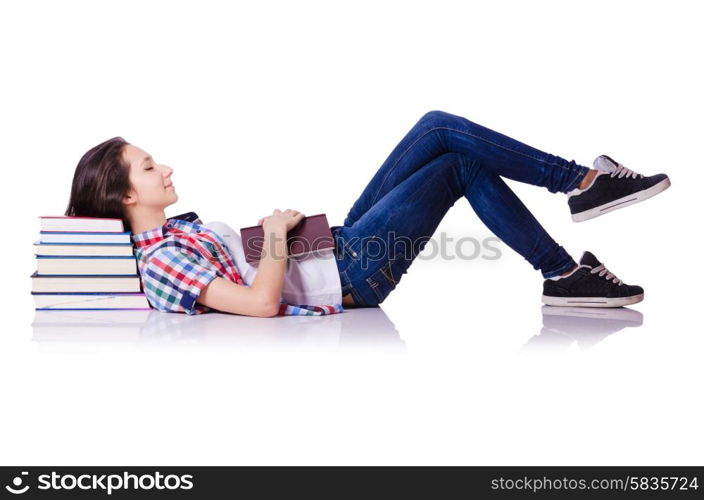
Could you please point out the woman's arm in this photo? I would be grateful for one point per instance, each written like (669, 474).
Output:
(262, 299)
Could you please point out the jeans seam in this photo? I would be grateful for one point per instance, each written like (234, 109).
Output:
(578, 180)
(388, 275)
(347, 283)
(356, 297)
(352, 290)
(345, 279)
(465, 168)
(373, 286)
(346, 251)
(503, 147)
(391, 169)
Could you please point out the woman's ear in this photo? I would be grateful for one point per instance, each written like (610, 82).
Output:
(129, 199)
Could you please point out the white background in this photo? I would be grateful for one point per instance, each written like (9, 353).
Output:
(263, 105)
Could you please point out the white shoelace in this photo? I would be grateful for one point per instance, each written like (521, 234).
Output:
(625, 172)
(601, 269)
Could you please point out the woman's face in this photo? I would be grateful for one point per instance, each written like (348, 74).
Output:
(151, 182)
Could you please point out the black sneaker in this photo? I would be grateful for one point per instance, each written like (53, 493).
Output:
(620, 188)
(590, 285)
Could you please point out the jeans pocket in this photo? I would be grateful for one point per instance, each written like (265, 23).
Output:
(382, 282)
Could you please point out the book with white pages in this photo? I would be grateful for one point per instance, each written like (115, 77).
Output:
(85, 283)
(68, 223)
(92, 238)
(86, 264)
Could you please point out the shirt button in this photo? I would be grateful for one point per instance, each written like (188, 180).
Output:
(354, 254)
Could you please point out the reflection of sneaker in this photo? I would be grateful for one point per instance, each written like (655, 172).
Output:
(621, 316)
(614, 187)
(586, 325)
(590, 285)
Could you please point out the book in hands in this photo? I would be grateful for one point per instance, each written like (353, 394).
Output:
(311, 234)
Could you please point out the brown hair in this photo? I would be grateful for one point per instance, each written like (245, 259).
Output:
(100, 183)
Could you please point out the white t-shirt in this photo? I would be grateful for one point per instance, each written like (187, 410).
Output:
(311, 279)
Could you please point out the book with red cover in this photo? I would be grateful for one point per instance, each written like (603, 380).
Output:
(312, 234)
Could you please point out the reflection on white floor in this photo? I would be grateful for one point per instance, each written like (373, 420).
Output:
(355, 328)
(585, 326)
(443, 379)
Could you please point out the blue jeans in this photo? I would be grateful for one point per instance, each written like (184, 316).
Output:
(443, 158)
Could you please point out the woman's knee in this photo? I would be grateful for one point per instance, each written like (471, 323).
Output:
(432, 116)
(454, 164)
(437, 117)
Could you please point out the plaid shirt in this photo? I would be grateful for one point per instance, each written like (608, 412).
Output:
(179, 259)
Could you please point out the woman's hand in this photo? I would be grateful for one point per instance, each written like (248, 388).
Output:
(287, 219)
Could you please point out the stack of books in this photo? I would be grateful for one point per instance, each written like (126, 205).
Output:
(85, 263)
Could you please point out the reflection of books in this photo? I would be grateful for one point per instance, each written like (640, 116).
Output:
(311, 234)
(85, 283)
(363, 328)
(97, 325)
(89, 300)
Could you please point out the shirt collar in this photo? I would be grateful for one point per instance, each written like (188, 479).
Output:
(157, 234)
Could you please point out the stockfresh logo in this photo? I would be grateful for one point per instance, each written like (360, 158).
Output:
(106, 483)
(18, 486)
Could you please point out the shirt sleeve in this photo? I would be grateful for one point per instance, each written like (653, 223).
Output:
(173, 280)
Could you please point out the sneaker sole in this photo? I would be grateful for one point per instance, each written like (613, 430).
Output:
(591, 301)
(622, 202)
